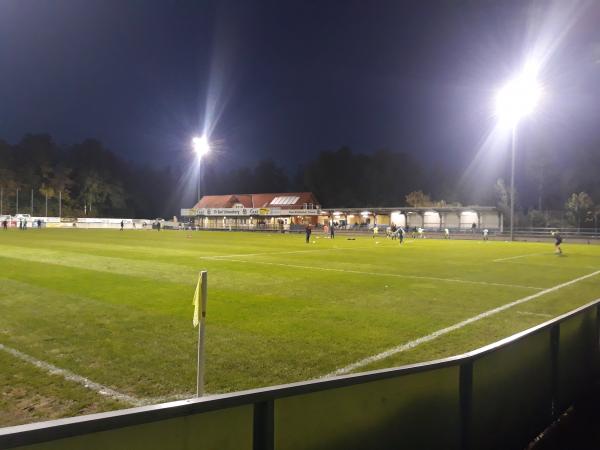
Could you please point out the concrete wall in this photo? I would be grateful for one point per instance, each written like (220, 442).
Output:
(353, 218)
(431, 219)
(468, 218)
(450, 220)
(398, 219)
(414, 220)
(490, 220)
(382, 219)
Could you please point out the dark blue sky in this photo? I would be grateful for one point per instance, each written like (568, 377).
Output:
(286, 79)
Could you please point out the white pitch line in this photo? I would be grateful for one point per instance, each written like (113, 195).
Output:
(436, 334)
(273, 253)
(530, 264)
(383, 274)
(92, 385)
(70, 376)
(527, 313)
(517, 257)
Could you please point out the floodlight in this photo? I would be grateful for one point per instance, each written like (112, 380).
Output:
(200, 145)
(201, 148)
(518, 98)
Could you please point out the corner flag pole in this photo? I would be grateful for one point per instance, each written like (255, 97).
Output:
(200, 322)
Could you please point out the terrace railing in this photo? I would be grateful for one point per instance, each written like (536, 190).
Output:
(497, 397)
(566, 232)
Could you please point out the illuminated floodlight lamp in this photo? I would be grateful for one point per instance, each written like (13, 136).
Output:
(200, 145)
(518, 98)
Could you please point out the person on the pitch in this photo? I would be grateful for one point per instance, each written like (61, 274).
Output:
(308, 231)
(557, 242)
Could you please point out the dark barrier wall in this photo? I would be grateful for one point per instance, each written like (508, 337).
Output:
(497, 397)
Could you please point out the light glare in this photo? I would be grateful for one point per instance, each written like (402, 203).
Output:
(200, 145)
(518, 98)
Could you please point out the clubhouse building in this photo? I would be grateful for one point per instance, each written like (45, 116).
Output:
(293, 210)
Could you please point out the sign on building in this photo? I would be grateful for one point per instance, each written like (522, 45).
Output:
(246, 212)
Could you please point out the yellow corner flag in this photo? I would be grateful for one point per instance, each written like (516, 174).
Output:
(199, 319)
(196, 319)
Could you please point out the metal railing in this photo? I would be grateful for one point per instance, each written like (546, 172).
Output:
(497, 397)
(565, 232)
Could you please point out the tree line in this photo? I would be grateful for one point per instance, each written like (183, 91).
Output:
(88, 178)
(345, 179)
(92, 180)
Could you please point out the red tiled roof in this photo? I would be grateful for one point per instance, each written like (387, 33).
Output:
(256, 200)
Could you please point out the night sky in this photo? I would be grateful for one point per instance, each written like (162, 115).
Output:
(287, 79)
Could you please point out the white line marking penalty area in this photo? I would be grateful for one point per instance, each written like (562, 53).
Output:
(383, 274)
(273, 253)
(430, 337)
(70, 376)
(517, 257)
(92, 385)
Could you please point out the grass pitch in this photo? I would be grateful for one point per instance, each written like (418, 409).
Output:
(115, 307)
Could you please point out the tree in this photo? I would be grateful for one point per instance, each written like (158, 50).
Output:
(578, 206)
(537, 218)
(418, 198)
(335, 178)
(541, 166)
(502, 197)
(268, 177)
(593, 216)
(92, 191)
(101, 196)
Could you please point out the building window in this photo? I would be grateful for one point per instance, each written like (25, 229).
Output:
(285, 200)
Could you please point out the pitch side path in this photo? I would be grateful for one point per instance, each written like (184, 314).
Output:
(92, 320)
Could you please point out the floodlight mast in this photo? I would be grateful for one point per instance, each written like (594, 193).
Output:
(201, 147)
(516, 100)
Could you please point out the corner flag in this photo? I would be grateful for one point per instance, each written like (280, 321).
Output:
(196, 303)
(199, 319)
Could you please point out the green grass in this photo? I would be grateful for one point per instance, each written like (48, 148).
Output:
(115, 307)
